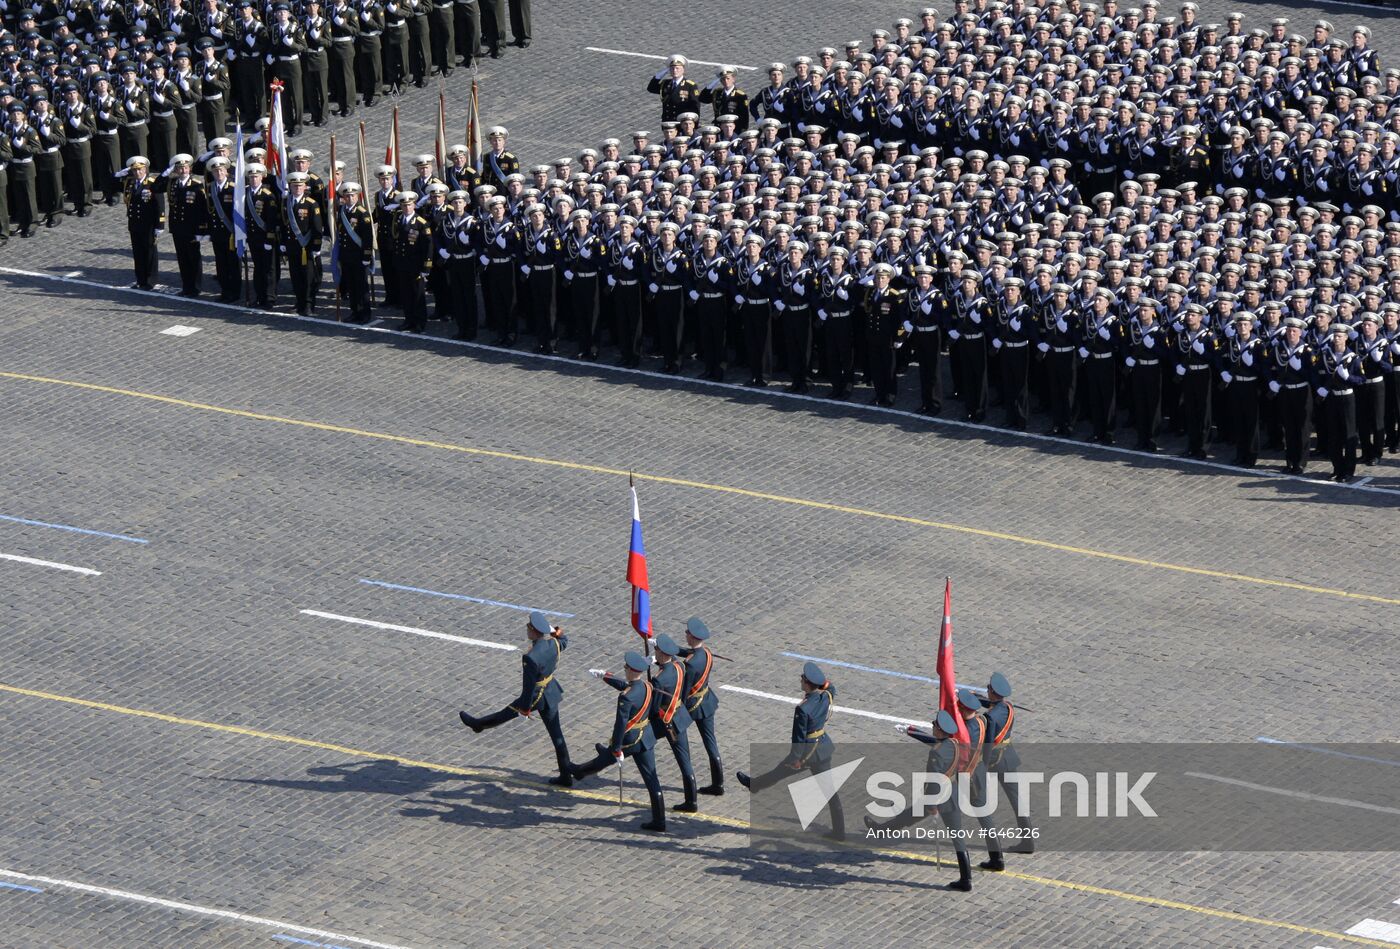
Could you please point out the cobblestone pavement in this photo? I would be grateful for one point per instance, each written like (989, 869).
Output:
(179, 728)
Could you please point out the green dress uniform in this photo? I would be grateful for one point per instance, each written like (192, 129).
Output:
(315, 69)
(79, 126)
(633, 738)
(701, 702)
(345, 28)
(48, 167)
(213, 97)
(134, 114)
(1000, 757)
(108, 117)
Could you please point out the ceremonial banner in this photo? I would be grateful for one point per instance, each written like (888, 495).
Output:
(637, 575)
(474, 129)
(947, 685)
(240, 199)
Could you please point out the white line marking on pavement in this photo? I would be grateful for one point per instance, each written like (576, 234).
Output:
(49, 563)
(196, 909)
(693, 62)
(1289, 792)
(1376, 929)
(1263, 739)
(813, 400)
(835, 708)
(180, 330)
(1363, 481)
(375, 624)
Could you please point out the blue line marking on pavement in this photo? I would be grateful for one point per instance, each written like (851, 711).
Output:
(883, 672)
(72, 529)
(21, 886)
(463, 596)
(1326, 751)
(307, 942)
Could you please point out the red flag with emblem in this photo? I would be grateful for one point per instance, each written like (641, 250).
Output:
(947, 684)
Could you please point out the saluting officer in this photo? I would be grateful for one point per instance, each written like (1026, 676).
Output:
(812, 747)
(187, 208)
(678, 94)
(538, 692)
(632, 735)
(145, 218)
(727, 98)
(386, 203)
(303, 229)
(355, 235)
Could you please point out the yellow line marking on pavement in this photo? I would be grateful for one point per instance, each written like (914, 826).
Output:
(715, 819)
(705, 486)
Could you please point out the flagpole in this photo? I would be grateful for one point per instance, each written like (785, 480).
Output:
(332, 210)
(369, 206)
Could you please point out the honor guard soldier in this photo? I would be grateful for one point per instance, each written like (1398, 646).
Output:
(1241, 364)
(397, 13)
(1000, 757)
(285, 47)
(946, 756)
(369, 65)
(191, 89)
(1194, 352)
(355, 235)
(678, 94)
(1336, 374)
(1290, 371)
(220, 194)
(456, 240)
(248, 44)
(165, 102)
(187, 209)
(48, 163)
(214, 87)
(970, 707)
(812, 747)
(24, 146)
(669, 718)
(303, 229)
(539, 692)
(315, 64)
(106, 144)
(701, 702)
(497, 164)
(79, 126)
(145, 218)
(135, 112)
(1145, 348)
(345, 28)
(413, 259)
(262, 214)
(632, 736)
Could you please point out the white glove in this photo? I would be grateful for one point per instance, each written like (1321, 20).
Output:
(1344, 373)
(568, 275)
(1062, 326)
(123, 173)
(1083, 353)
(1104, 333)
(651, 287)
(1015, 324)
(1395, 348)
(612, 281)
(908, 327)
(1295, 363)
(693, 295)
(525, 270)
(1198, 346)
(1130, 362)
(1225, 376)
(996, 344)
(627, 263)
(1274, 387)
(954, 334)
(779, 305)
(714, 277)
(597, 673)
(662, 73)
(1247, 359)
(1149, 341)
(483, 259)
(799, 289)
(841, 293)
(739, 299)
(903, 729)
(617, 756)
(1321, 392)
(976, 317)
(1043, 347)
(442, 252)
(1375, 355)
(1181, 370)
(821, 315)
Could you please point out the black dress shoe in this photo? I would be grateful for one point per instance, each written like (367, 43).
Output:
(523, 44)
(744, 779)
(654, 826)
(562, 781)
(995, 864)
(686, 807)
(497, 52)
(714, 790)
(470, 722)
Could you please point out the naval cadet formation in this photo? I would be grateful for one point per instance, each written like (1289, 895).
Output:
(667, 690)
(1110, 216)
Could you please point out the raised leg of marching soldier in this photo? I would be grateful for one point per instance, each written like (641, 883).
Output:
(1015, 383)
(460, 273)
(77, 175)
(466, 30)
(48, 167)
(444, 45)
(520, 22)
(1242, 396)
(23, 199)
(493, 26)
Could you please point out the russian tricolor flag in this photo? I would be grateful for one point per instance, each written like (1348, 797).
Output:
(637, 574)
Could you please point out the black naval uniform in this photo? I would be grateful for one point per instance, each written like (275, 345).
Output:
(413, 260)
(456, 241)
(1194, 354)
(1335, 377)
(262, 215)
(145, 217)
(303, 229)
(1290, 370)
(1145, 350)
(755, 282)
(228, 269)
(836, 305)
(187, 208)
(355, 235)
(1241, 365)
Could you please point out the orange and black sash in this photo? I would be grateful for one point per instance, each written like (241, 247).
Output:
(701, 688)
(639, 721)
(668, 712)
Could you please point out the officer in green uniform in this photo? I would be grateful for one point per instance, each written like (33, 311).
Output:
(947, 758)
(538, 692)
(970, 705)
(812, 747)
(700, 700)
(1000, 756)
(632, 736)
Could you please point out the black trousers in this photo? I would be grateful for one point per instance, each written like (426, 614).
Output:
(1015, 383)
(419, 46)
(1146, 385)
(1195, 408)
(758, 332)
(134, 139)
(493, 23)
(713, 316)
(583, 307)
(249, 91)
(460, 275)
(265, 267)
(797, 344)
(670, 321)
(839, 354)
(1060, 377)
(520, 20)
(413, 287)
(1293, 412)
(466, 30)
(626, 300)
(1242, 405)
(77, 174)
(441, 23)
(550, 717)
(1391, 425)
(302, 264)
(143, 255)
(1340, 410)
(971, 354)
(927, 348)
(228, 269)
(187, 128)
(539, 307)
(106, 162)
(189, 260)
(498, 286)
(394, 53)
(879, 352)
(1100, 390)
(354, 288)
(1370, 419)
(369, 69)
